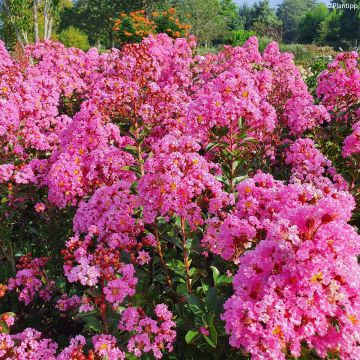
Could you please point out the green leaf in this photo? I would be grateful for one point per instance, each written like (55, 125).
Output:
(131, 357)
(212, 339)
(191, 336)
(84, 315)
(4, 327)
(93, 324)
(181, 289)
(211, 146)
(195, 305)
(176, 266)
(211, 299)
(240, 122)
(137, 300)
(131, 149)
(216, 273)
(224, 280)
(60, 283)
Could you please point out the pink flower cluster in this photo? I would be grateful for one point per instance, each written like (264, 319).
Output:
(178, 180)
(30, 280)
(352, 142)
(267, 91)
(110, 228)
(149, 335)
(339, 86)
(66, 303)
(105, 347)
(32, 97)
(118, 289)
(27, 345)
(308, 165)
(300, 282)
(109, 216)
(289, 95)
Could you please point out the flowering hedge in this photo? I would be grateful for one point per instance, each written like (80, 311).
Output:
(160, 204)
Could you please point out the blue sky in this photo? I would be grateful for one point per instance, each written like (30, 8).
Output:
(273, 3)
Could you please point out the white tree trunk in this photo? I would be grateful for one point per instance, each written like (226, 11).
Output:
(25, 37)
(19, 38)
(36, 23)
(48, 19)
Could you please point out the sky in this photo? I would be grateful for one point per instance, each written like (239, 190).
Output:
(273, 3)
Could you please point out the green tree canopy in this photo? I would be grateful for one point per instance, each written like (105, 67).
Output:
(310, 28)
(262, 19)
(96, 17)
(290, 13)
(206, 18)
(73, 37)
(26, 21)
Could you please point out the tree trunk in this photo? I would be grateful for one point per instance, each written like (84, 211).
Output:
(145, 7)
(16, 29)
(49, 28)
(47, 18)
(25, 37)
(36, 23)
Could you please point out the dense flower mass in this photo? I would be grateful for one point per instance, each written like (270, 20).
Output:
(134, 163)
(31, 279)
(178, 181)
(149, 335)
(26, 345)
(352, 142)
(339, 86)
(294, 286)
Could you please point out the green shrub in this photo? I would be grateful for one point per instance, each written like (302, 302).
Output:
(73, 37)
(240, 36)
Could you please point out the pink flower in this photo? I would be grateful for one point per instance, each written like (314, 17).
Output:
(39, 207)
(105, 346)
(204, 330)
(143, 257)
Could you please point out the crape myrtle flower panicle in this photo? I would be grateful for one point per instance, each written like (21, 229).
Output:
(300, 282)
(27, 345)
(149, 335)
(352, 142)
(30, 279)
(308, 165)
(178, 180)
(339, 85)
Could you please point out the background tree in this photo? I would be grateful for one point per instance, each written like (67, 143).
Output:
(29, 20)
(290, 13)
(310, 28)
(16, 18)
(265, 22)
(349, 24)
(93, 17)
(96, 18)
(135, 26)
(230, 12)
(206, 19)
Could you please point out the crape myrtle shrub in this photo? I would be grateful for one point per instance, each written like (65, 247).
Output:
(160, 204)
